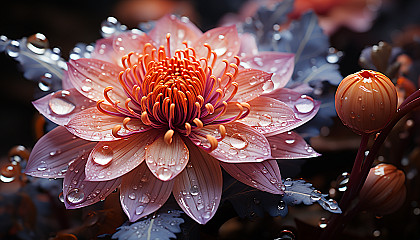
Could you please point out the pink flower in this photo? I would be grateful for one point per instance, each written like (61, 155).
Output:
(161, 112)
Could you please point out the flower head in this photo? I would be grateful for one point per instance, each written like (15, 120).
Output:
(366, 101)
(159, 113)
(384, 191)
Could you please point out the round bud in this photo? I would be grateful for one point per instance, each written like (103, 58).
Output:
(384, 191)
(366, 101)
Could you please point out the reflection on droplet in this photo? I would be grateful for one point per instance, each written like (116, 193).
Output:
(305, 104)
(12, 49)
(268, 86)
(220, 51)
(281, 205)
(265, 120)
(75, 196)
(132, 196)
(87, 85)
(164, 173)
(322, 222)
(194, 190)
(37, 43)
(61, 197)
(60, 103)
(342, 181)
(238, 141)
(45, 82)
(139, 210)
(103, 155)
(109, 26)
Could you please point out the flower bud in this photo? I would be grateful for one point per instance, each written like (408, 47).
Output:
(384, 191)
(366, 101)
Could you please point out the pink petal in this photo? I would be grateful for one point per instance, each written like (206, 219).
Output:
(104, 51)
(252, 83)
(305, 107)
(180, 30)
(66, 83)
(264, 176)
(198, 188)
(78, 192)
(248, 45)
(290, 145)
(224, 41)
(109, 160)
(62, 105)
(281, 64)
(52, 153)
(270, 116)
(167, 161)
(130, 42)
(91, 76)
(142, 193)
(93, 125)
(242, 144)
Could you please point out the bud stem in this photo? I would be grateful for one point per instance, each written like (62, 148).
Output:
(361, 168)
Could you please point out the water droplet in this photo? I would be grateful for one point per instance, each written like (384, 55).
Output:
(315, 196)
(290, 141)
(164, 173)
(87, 86)
(61, 197)
(342, 181)
(305, 104)
(75, 196)
(253, 80)
(281, 205)
(45, 82)
(323, 222)
(60, 103)
(37, 43)
(132, 196)
(268, 86)
(238, 141)
(221, 37)
(265, 120)
(194, 190)
(12, 49)
(103, 155)
(139, 210)
(220, 51)
(109, 26)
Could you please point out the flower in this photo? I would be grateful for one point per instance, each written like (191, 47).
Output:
(160, 112)
(366, 101)
(384, 191)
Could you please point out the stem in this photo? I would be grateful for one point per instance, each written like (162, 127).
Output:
(336, 222)
(361, 168)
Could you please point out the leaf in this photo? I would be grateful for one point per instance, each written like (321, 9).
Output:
(161, 225)
(263, 22)
(299, 191)
(46, 66)
(249, 201)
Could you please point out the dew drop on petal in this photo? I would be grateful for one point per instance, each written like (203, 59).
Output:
(265, 120)
(87, 85)
(132, 196)
(103, 155)
(305, 104)
(37, 43)
(268, 86)
(194, 190)
(59, 103)
(238, 141)
(139, 210)
(164, 173)
(220, 51)
(75, 196)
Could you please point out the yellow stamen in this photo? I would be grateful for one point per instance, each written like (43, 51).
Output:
(168, 136)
